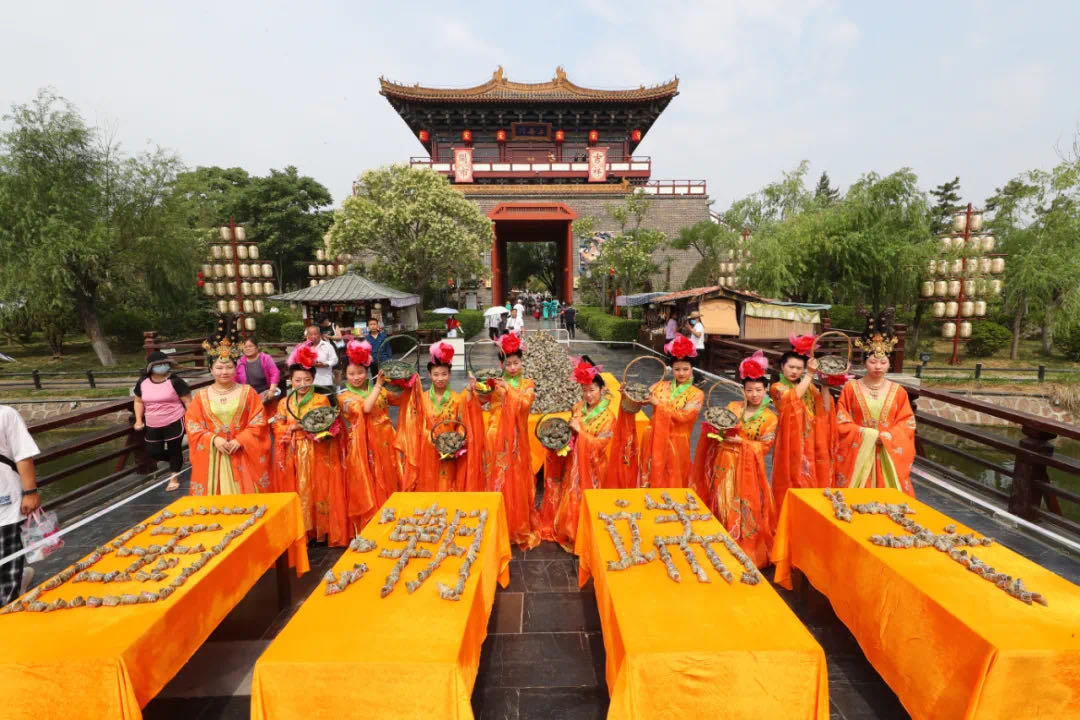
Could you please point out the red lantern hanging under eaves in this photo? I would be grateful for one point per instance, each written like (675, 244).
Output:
(635, 135)
(500, 136)
(466, 136)
(594, 136)
(424, 136)
(560, 135)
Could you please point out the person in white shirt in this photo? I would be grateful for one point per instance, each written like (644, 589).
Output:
(697, 330)
(520, 311)
(18, 496)
(324, 366)
(516, 323)
(493, 322)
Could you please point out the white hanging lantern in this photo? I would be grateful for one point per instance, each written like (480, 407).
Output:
(927, 289)
(984, 265)
(268, 288)
(226, 252)
(249, 306)
(950, 308)
(967, 308)
(311, 271)
(231, 287)
(215, 251)
(222, 306)
(255, 270)
(939, 309)
(948, 330)
(320, 255)
(253, 252)
(245, 287)
(234, 306)
(976, 222)
(995, 287)
(997, 265)
(312, 282)
(245, 270)
(377, 306)
(267, 270)
(957, 267)
(971, 267)
(330, 269)
(249, 324)
(230, 271)
(256, 288)
(321, 269)
(208, 289)
(980, 308)
(225, 233)
(931, 267)
(974, 245)
(965, 329)
(941, 287)
(988, 243)
(342, 267)
(260, 306)
(220, 287)
(959, 221)
(954, 288)
(241, 234)
(242, 252)
(946, 244)
(219, 271)
(207, 270)
(958, 242)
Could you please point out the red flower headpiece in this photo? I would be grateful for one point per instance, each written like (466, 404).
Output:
(306, 356)
(359, 352)
(510, 343)
(837, 380)
(681, 348)
(754, 367)
(802, 344)
(442, 353)
(584, 371)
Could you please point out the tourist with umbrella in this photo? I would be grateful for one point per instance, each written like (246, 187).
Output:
(493, 318)
(452, 323)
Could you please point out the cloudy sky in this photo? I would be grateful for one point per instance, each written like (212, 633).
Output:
(983, 90)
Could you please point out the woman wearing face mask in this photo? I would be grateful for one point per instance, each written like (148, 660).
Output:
(160, 402)
(585, 466)
(508, 444)
(729, 473)
(875, 424)
(372, 468)
(665, 447)
(310, 467)
(425, 470)
(803, 457)
(227, 434)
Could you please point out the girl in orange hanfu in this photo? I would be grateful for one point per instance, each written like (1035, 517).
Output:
(228, 439)
(875, 424)
(372, 472)
(510, 466)
(665, 447)
(729, 470)
(803, 456)
(591, 421)
(426, 469)
(310, 465)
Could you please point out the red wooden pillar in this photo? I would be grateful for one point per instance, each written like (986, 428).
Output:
(568, 267)
(496, 275)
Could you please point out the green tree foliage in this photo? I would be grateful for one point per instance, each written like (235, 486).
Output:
(824, 194)
(629, 252)
(986, 339)
(417, 227)
(83, 226)
(531, 261)
(946, 202)
(715, 242)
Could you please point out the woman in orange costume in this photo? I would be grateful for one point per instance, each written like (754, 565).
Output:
(425, 469)
(308, 465)
(665, 447)
(228, 440)
(591, 422)
(803, 456)
(371, 459)
(729, 471)
(510, 466)
(875, 423)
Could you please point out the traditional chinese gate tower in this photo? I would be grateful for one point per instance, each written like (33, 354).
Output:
(537, 156)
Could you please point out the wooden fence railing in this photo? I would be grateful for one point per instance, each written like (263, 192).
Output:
(1031, 496)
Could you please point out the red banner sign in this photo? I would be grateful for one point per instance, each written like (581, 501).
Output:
(598, 164)
(463, 164)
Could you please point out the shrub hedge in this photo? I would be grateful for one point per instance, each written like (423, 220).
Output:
(599, 325)
(987, 338)
(472, 322)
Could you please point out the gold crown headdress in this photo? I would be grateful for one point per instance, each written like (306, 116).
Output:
(878, 338)
(225, 344)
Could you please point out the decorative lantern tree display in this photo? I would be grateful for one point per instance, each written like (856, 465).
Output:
(964, 276)
(323, 268)
(236, 278)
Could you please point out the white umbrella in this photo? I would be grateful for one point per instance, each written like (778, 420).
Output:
(495, 310)
(445, 311)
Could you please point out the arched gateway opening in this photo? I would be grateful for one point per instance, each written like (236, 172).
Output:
(533, 222)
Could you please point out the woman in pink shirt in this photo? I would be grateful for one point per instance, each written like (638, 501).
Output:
(160, 402)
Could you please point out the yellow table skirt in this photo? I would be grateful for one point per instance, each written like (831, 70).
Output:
(691, 649)
(949, 643)
(356, 655)
(108, 662)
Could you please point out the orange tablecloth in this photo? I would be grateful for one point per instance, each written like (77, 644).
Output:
(691, 649)
(949, 643)
(108, 662)
(356, 655)
(538, 452)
